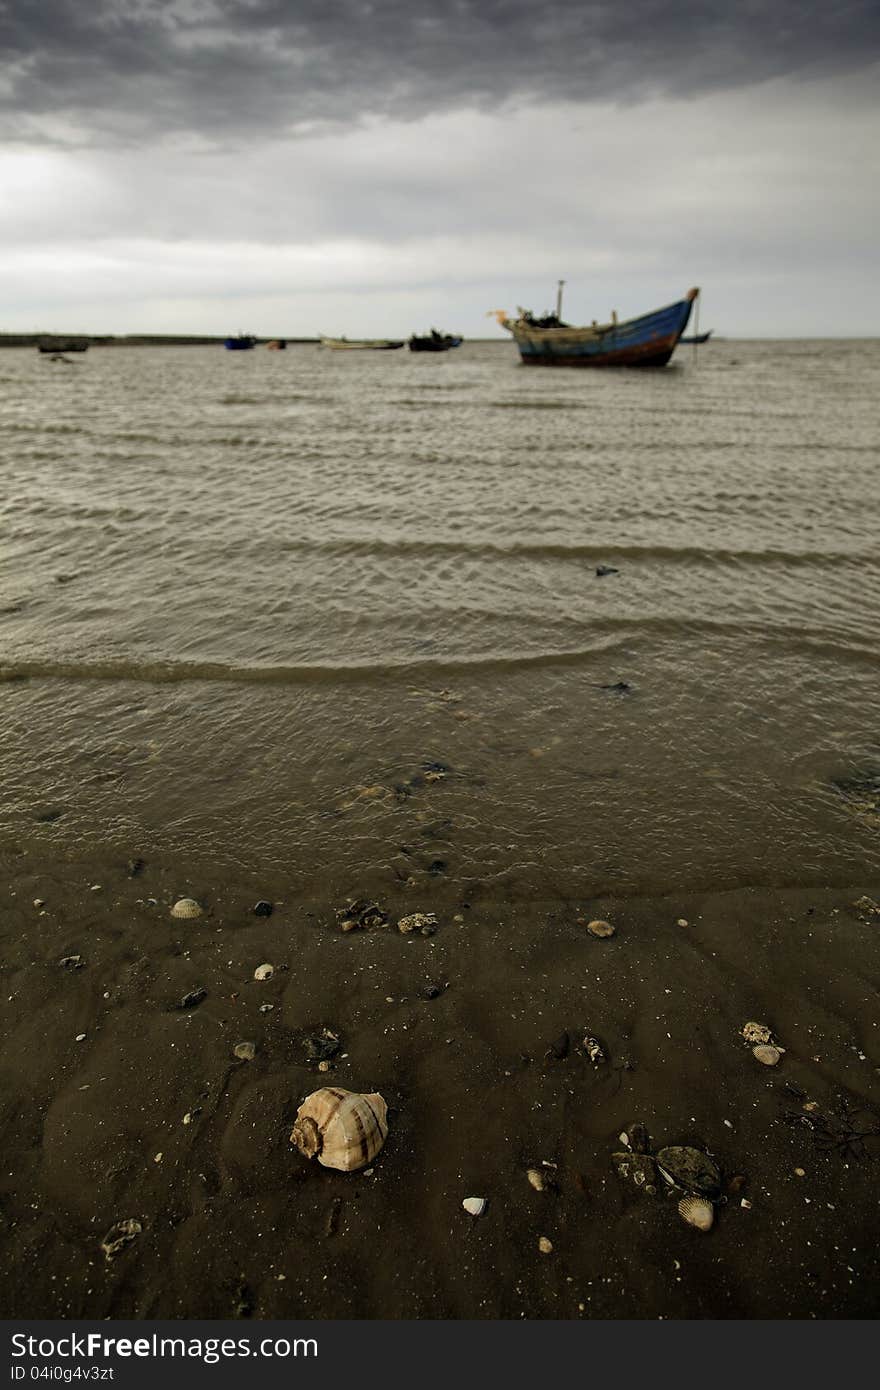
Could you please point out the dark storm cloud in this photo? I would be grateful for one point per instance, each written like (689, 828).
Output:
(221, 69)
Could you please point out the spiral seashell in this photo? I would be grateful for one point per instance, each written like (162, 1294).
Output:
(342, 1129)
(186, 907)
(696, 1211)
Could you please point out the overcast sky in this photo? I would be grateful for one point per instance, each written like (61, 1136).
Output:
(339, 166)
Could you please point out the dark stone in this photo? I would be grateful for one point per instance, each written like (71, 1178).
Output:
(263, 908)
(320, 1047)
(431, 992)
(135, 866)
(602, 570)
(437, 866)
(194, 998)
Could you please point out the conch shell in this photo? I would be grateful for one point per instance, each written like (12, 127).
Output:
(342, 1129)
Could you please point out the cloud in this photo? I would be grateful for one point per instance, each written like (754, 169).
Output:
(221, 70)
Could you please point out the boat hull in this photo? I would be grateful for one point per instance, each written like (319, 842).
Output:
(362, 345)
(647, 341)
(433, 344)
(239, 344)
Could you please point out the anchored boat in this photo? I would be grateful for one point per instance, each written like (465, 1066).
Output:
(241, 343)
(647, 341)
(361, 344)
(434, 342)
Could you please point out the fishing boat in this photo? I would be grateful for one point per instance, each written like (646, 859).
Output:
(62, 345)
(697, 338)
(242, 342)
(434, 342)
(277, 345)
(361, 344)
(646, 341)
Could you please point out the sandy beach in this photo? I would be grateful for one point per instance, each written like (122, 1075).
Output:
(121, 1104)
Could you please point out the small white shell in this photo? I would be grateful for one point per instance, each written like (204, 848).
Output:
(536, 1178)
(756, 1032)
(545, 1246)
(186, 907)
(264, 972)
(245, 1051)
(766, 1053)
(696, 1211)
(475, 1206)
(342, 1129)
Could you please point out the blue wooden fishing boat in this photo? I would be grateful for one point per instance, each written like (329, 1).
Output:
(240, 343)
(647, 341)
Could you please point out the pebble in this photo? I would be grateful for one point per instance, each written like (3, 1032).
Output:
(545, 1246)
(262, 908)
(157, 1158)
(475, 1206)
(95, 888)
(682, 922)
(600, 928)
(190, 1115)
(800, 1172)
(264, 972)
(245, 1051)
(195, 997)
(80, 1037)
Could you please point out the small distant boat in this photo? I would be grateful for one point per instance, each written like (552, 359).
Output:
(277, 345)
(241, 343)
(434, 342)
(697, 338)
(361, 344)
(647, 341)
(62, 345)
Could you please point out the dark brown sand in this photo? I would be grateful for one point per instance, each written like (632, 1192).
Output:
(236, 1223)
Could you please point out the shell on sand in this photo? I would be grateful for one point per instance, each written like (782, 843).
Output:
(186, 907)
(756, 1032)
(767, 1054)
(475, 1206)
(696, 1211)
(342, 1129)
(264, 972)
(600, 928)
(536, 1178)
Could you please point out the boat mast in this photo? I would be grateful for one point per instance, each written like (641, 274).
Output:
(559, 299)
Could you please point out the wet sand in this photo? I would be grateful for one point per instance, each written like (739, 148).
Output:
(236, 1223)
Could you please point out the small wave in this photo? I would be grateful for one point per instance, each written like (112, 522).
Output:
(609, 635)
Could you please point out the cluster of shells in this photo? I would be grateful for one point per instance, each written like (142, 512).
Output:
(760, 1038)
(341, 1129)
(682, 1168)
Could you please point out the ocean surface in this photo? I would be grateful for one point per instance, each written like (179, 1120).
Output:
(337, 617)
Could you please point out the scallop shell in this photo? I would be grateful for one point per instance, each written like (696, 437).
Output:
(768, 1054)
(342, 1129)
(696, 1211)
(186, 907)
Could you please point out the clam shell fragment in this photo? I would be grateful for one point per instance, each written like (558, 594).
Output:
(342, 1129)
(768, 1054)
